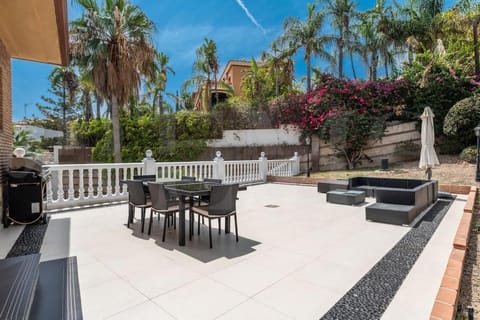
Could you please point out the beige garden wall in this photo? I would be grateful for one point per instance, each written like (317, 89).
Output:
(282, 143)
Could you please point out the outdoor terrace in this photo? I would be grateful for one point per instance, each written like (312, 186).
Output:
(294, 260)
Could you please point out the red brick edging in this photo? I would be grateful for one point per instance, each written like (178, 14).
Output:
(445, 304)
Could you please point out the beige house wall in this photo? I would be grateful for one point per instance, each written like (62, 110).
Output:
(233, 75)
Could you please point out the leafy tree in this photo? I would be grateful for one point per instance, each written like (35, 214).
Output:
(60, 106)
(113, 43)
(306, 35)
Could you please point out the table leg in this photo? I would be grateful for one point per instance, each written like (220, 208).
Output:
(191, 217)
(181, 222)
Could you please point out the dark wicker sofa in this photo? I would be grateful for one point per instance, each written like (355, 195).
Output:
(398, 201)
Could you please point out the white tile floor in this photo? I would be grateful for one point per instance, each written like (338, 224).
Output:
(292, 262)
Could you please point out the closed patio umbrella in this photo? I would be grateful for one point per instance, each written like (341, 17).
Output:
(428, 157)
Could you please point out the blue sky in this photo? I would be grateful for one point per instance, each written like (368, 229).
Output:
(242, 29)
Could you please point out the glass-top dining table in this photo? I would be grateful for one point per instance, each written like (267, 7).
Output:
(186, 190)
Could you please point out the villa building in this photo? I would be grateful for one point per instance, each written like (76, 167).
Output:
(30, 30)
(231, 78)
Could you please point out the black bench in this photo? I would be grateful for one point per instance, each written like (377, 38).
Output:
(348, 197)
(390, 213)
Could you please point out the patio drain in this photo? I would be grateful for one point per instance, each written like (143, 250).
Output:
(370, 297)
(272, 206)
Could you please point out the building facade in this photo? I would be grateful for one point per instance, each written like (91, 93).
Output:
(30, 30)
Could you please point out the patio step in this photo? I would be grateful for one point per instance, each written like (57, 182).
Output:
(18, 281)
(58, 292)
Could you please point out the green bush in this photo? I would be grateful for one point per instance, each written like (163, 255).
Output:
(171, 137)
(461, 119)
(438, 86)
(88, 133)
(469, 154)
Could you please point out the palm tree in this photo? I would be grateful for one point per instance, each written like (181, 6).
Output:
(279, 61)
(212, 61)
(342, 12)
(113, 42)
(306, 35)
(157, 84)
(253, 83)
(203, 68)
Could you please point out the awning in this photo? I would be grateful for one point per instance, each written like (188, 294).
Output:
(35, 30)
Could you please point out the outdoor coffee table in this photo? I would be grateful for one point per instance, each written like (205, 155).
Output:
(349, 197)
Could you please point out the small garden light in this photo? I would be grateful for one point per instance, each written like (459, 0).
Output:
(307, 141)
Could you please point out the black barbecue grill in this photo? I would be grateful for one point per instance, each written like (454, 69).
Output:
(25, 193)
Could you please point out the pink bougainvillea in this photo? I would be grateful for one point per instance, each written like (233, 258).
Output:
(347, 113)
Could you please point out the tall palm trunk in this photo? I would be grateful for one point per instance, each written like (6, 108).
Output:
(216, 87)
(88, 105)
(340, 57)
(98, 105)
(160, 103)
(116, 130)
(374, 65)
(277, 88)
(353, 66)
(307, 61)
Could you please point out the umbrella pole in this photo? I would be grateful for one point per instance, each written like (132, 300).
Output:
(429, 173)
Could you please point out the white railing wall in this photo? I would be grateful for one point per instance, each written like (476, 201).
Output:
(72, 185)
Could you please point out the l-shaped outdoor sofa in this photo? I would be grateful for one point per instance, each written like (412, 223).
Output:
(398, 201)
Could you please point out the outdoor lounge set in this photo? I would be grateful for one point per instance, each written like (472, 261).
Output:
(398, 201)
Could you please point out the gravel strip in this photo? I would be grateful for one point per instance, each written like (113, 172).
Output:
(372, 294)
(29, 241)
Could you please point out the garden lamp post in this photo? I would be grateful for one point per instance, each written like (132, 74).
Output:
(307, 141)
(477, 172)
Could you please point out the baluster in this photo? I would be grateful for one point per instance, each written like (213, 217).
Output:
(49, 191)
(81, 190)
(99, 182)
(60, 191)
(70, 184)
(117, 181)
(90, 183)
(108, 172)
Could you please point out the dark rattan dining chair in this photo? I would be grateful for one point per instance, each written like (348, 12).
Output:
(137, 198)
(161, 204)
(222, 205)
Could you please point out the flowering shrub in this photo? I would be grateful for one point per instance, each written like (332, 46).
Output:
(346, 113)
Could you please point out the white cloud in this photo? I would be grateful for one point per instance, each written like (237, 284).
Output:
(250, 16)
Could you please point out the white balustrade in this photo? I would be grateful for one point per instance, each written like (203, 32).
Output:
(72, 185)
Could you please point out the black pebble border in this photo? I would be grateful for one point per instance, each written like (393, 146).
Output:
(372, 294)
(29, 241)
